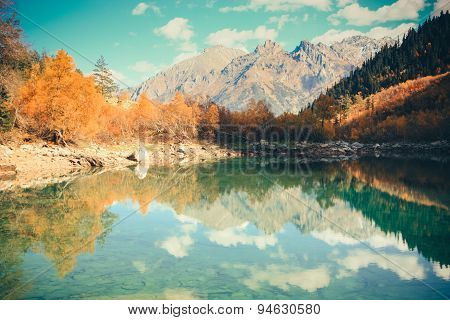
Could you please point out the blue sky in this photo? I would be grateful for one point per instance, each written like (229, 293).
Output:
(139, 38)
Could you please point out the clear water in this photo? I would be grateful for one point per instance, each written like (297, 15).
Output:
(239, 229)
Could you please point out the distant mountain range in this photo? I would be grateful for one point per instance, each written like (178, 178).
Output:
(288, 81)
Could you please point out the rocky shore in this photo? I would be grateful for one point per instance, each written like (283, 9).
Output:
(34, 164)
(342, 150)
(30, 165)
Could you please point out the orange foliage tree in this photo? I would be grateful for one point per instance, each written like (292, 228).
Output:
(209, 123)
(59, 99)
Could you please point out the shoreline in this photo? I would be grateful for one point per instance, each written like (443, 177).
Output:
(342, 150)
(39, 164)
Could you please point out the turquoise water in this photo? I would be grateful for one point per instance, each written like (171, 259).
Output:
(238, 229)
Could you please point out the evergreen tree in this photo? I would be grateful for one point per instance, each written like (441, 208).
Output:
(422, 52)
(6, 118)
(104, 79)
(344, 103)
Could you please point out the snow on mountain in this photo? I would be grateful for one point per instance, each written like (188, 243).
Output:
(287, 81)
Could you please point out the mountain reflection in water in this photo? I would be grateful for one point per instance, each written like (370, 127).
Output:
(238, 229)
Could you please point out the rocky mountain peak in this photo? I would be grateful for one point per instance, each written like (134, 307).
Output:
(269, 46)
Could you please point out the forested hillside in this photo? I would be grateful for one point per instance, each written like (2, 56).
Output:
(401, 93)
(414, 110)
(421, 52)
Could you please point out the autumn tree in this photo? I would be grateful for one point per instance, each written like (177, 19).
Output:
(209, 122)
(180, 118)
(104, 79)
(143, 117)
(59, 102)
(324, 108)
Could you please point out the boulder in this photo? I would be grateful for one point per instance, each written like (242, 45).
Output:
(93, 162)
(182, 149)
(7, 172)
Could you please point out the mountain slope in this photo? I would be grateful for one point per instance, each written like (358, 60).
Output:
(191, 76)
(417, 110)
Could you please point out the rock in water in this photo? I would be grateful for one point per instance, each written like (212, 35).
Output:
(141, 171)
(143, 160)
(142, 155)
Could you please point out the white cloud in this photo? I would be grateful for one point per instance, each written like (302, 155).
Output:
(176, 29)
(374, 240)
(333, 35)
(237, 236)
(180, 32)
(407, 267)
(284, 276)
(237, 39)
(144, 66)
(132, 34)
(116, 44)
(279, 5)
(441, 5)
(142, 7)
(282, 20)
(356, 15)
(178, 246)
(399, 31)
(441, 271)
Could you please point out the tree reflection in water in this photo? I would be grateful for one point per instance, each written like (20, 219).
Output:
(397, 200)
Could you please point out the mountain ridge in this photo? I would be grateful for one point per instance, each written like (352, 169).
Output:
(288, 81)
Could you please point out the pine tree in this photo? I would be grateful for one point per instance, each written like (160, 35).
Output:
(344, 103)
(6, 118)
(104, 79)
(422, 52)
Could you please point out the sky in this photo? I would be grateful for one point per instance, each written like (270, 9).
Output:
(140, 38)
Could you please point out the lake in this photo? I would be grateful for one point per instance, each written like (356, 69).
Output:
(235, 229)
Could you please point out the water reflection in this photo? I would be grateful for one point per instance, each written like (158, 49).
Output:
(247, 228)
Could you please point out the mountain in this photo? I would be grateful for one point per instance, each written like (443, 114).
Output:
(288, 81)
(192, 76)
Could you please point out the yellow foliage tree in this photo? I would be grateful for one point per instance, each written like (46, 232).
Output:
(209, 123)
(59, 99)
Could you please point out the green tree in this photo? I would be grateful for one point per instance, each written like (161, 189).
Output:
(104, 79)
(344, 103)
(6, 118)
